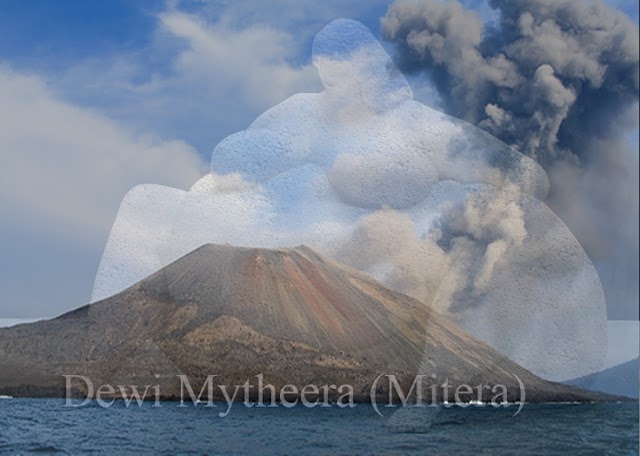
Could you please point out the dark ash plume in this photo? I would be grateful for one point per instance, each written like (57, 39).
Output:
(558, 80)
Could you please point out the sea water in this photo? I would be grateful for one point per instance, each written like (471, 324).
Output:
(47, 425)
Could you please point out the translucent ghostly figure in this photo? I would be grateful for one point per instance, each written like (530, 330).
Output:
(428, 204)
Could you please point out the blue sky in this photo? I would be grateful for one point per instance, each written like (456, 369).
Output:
(41, 29)
(100, 96)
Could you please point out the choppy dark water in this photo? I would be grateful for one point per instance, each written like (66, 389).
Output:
(45, 425)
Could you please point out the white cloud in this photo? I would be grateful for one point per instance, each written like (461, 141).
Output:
(199, 79)
(63, 172)
(250, 63)
(69, 167)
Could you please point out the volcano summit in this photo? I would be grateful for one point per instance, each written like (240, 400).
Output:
(289, 314)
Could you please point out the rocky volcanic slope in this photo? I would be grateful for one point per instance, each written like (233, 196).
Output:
(236, 312)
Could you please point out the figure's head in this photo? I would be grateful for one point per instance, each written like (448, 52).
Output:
(352, 62)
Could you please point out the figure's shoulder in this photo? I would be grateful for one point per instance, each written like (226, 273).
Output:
(298, 106)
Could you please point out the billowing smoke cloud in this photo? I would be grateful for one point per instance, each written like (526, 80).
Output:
(483, 229)
(497, 223)
(388, 246)
(558, 80)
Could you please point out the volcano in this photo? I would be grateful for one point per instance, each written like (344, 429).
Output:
(289, 314)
